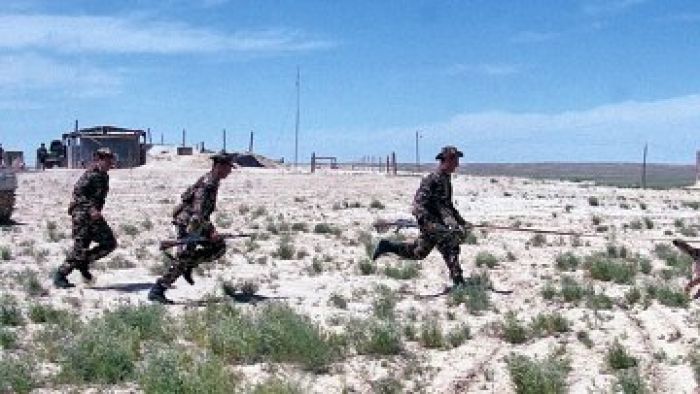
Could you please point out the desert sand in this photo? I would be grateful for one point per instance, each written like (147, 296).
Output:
(659, 336)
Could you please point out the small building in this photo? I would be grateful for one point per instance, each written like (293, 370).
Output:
(129, 146)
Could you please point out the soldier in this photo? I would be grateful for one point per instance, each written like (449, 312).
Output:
(41, 155)
(89, 226)
(439, 221)
(191, 218)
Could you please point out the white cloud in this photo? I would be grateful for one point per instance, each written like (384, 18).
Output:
(106, 34)
(27, 72)
(614, 132)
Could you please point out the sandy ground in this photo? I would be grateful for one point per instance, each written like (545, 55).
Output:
(478, 365)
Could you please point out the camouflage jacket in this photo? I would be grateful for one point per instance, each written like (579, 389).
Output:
(433, 200)
(198, 201)
(90, 191)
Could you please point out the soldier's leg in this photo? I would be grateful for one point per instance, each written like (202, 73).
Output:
(416, 250)
(449, 249)
(78, 255)
(102, 234)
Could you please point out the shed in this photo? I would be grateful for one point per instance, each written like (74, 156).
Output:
(128, 145)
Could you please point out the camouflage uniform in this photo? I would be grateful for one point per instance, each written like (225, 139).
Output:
(89, 194)
(433, 210)
(191, 218)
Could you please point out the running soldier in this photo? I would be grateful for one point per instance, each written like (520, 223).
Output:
(191, 220)
(89, 225)
(439, 221)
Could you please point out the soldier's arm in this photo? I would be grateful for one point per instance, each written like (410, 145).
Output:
(202, 197)
(84, 190)
(421, 201)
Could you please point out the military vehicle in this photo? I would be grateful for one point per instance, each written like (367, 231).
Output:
(8, 185)
(56, 155)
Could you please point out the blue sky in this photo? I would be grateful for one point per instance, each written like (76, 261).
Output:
(506, 81)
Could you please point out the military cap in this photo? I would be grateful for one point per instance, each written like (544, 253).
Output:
(102, 153)
(448, 151)
(223, 158)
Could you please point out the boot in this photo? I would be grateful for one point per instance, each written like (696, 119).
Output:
(187, 275)
(384, 246)
(60, 281)
(157, 294)
(86, 274)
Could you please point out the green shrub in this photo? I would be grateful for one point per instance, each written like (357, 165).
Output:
(376, 204)
(30, 282)
(618, 358)
(367, 267)
(644, 265)
(17, 374)
(299, 226)
(571, 290)
(633, 296)
(173, 370)
(376, 337)
(547, 376)
(668, 296)
(285, 249)
(387, 385)
(130, 229)
(567, 261)
(384, 303)
(538, 240)
(459, 335)
(40, 313)
(543, 324)
(273, 334)
(583, 337)
(630, 382)
(606, 269)
(512, 330)
(325, 228)
(470, 239)
(5, 253)
(101, 353)
(8, 339)
(474, 294)
(275, 385)
(487, 259)
(338, 301)
(407, 270)
(10, 313)
(149, 322)
(431, 335)
(598, 301)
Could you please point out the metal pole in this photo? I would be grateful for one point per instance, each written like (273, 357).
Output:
(183, 137)
(250, 144)
(296, 128)
(644, 168)
(224, 140)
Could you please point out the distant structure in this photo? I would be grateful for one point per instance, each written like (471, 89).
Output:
(129, 146)
(697, 168)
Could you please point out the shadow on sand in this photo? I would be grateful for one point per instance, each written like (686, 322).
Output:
(125, 287)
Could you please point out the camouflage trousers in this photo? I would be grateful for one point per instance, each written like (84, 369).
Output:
(84, 232)
(420, 248)
(190, 256)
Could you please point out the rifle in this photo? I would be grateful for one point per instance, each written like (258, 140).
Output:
(382, 225)
(198, 240)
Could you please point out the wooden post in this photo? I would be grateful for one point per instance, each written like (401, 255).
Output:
(387, 164)
(183, 137)
(697, 167)
(250, 145)
(393, 162)
(313, 162)
(224, 138)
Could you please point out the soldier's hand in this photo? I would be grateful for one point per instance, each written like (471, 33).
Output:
(215, 236)
(95, 214)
